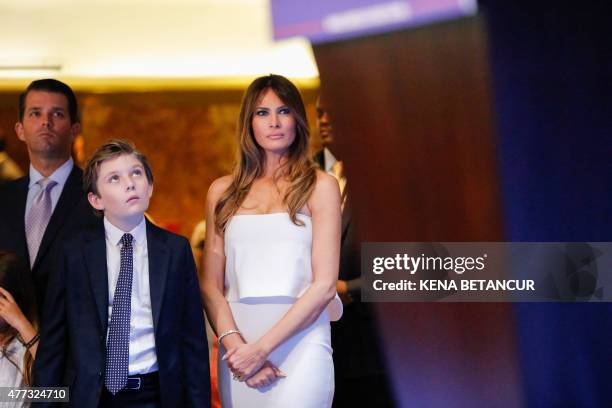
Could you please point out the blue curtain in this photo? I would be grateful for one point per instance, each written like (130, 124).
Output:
(552, 82)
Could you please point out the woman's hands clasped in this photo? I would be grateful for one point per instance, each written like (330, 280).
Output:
(267, 375)
(246, 359)
(248, 362)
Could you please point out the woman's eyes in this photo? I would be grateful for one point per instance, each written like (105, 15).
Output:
(137, 172)
(282, 111)
(114, 178)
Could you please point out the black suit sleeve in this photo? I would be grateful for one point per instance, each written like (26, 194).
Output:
(195, 348)
(50, 362)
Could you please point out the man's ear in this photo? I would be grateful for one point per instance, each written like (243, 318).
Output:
(76, 130)
(19, 131)
(95, 201)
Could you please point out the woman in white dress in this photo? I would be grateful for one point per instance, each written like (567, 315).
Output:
(271, 259)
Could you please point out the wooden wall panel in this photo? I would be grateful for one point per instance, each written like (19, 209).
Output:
(9, 114)
(188, 142)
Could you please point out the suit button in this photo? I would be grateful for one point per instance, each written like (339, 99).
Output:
(100, 374)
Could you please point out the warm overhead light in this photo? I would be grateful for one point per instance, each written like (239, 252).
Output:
(24, 68)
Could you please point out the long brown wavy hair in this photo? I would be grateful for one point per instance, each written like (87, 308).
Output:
(298, 168)
(15, 278)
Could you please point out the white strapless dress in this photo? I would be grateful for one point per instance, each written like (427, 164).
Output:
(268, 266)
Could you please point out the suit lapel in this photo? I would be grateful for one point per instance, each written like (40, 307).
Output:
(95, 260)
(319, 158)
(70, 196)
(159, 258)
(346, 216)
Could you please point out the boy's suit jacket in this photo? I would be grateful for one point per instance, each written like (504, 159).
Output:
(72, 349)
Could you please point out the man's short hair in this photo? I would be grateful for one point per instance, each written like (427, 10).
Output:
(110, 150)
(51, 85)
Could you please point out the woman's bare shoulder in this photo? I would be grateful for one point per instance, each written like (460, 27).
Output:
(326, 189)
(326, 181)
(218, 187)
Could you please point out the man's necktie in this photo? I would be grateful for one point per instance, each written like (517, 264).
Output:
(38, 217)
(118, 345)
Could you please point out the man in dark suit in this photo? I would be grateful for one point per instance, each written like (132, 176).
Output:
(38, 210)
(124, 325)
(358, 364)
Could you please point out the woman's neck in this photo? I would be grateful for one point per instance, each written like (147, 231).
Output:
(273, 163)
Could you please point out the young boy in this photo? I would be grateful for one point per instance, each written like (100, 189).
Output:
(124, 323)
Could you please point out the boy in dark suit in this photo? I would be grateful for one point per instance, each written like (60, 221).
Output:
(124, 324)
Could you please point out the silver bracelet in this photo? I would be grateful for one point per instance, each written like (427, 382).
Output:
(226, 333)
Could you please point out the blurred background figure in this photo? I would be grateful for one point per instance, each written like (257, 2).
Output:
(78, 151)
(324, 157)
(197, 242)
(358, 363)
(9, 170)
(18, 322)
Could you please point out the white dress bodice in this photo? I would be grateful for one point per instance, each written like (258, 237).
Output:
(267, 255)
